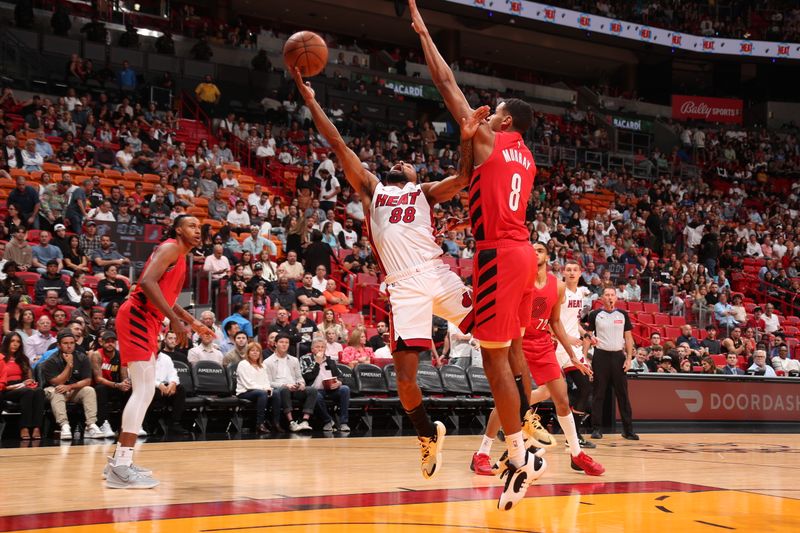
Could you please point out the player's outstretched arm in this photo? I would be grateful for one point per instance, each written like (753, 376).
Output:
(446, 189)
(561, 334)
(441, 73)
(359, 178)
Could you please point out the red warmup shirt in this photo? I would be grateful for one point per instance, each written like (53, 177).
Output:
(10, 372)
(537, 334)
(500, 189)
(170, 284)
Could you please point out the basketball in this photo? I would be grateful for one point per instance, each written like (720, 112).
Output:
(307, 51)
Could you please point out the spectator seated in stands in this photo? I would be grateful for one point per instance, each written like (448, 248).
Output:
(238, 220)
(632, 291)
(287, 380)
(19, 251)
(239, 351)
(253, 384)
(17, 384)
(322, 373)
(303, 329)
(169, 391)
(205, 351)
(45, 252)
(105, 255)
(329, 322)
(686, 337)
(357, 352)
(283, 297)
(711, 345)
(68, 378)
(309, 296)
(335, 300)
(209, 320)
(319, 281)
(724, 313)
(709, 367)
(292, 267)
(333, 347)
(685, 367)
(665, 363)
(735, 344)
(639, 363)
(732, 365)
(39, 340)
(240, 312)
(760, 366)
(782, 361)
(255, 243)
(771, 321)
(281, 324)
(225, 342)
(109, 379)
(50, 281)
(112, 288)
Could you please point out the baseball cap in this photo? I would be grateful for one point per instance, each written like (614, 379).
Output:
(91, 223)
(666, 358)
(59, 227)
(258, 266)
(63, 334)
(108, 334)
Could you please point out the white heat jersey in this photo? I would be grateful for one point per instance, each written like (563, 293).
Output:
(400, 223)
(571, 309)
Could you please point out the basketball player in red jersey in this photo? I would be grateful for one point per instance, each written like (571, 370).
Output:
(505, 267)
(540, 354)
(418, 283)
(140, 319)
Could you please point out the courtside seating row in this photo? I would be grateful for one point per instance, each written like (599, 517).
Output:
(452, 391)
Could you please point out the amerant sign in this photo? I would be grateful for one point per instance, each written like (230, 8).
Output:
(726, 110)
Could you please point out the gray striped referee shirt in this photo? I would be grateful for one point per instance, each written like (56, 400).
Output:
(610, 328)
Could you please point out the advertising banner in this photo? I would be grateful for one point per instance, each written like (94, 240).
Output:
(727, 110)
(636, 31)
(724, 400)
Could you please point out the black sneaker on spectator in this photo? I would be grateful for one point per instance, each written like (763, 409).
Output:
(431, 449)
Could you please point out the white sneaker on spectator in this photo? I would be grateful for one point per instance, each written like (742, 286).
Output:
(141, 432)
(106, 429)
(125, 477)
(294, 427)
(134, 467)
(305, 426)
(93, 432)
(66, 432)
(344, 428)
(328, 427)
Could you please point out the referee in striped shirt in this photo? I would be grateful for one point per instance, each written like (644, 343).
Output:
(613, 354)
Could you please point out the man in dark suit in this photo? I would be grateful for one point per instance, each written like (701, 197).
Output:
(731, 367)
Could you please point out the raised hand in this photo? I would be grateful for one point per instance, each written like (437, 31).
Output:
(303, 86)
(470, 125)
(582, 368)
(416, 18)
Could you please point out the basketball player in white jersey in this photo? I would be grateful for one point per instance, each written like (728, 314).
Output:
(419, 284)
(571, 311)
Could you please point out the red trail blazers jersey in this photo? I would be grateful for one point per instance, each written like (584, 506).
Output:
(499, 191)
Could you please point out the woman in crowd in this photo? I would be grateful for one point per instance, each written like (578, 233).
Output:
(252, 383)
(255, 218)
(329, 322)
(357, 352)
(247, 263)
(709, 366)
(27, 324)
(306, 186)
(13, 314)
(17, 384)
(12, 221)
(469, 250)
(112, 288)
(329, 238)
(77, 287)
(261, 303)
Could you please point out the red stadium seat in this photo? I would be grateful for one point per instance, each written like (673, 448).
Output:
(651, 308)
(661, 319)
(645, 318)
(719, 360)
(672, 333)
(677, 320)
(635, 307)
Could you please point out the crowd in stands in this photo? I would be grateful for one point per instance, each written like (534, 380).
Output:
(293, 252)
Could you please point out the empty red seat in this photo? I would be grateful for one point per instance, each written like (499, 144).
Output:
(645, 318)
(672, 332)
(650, 308)
(661, 319)
(677, 320)
(635, 307)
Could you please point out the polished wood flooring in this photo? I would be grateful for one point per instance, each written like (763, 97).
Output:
(673, 482)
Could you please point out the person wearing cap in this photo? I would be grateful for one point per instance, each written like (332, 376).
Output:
(632, 291)
(67, 377)
(665, 363)
(60, 239)
(109, 379)
(255, 243)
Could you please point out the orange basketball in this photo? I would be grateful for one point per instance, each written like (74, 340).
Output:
(307, 51)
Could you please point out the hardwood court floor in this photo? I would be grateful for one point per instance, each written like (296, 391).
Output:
(675, 482)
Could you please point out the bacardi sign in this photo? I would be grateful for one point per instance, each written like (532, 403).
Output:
(727, 110)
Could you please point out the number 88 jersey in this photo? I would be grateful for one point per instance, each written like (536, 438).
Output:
(401, 230)
(500, 189)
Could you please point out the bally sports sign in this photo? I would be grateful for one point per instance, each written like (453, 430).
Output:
(726, 110)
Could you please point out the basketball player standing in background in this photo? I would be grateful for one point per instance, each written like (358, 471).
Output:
(418, 282)
(505, 268)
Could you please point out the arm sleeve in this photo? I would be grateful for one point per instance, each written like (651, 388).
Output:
(591, 320)
(628, 325)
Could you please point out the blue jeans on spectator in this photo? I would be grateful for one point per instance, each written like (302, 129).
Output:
(262, 400)
(341, 396)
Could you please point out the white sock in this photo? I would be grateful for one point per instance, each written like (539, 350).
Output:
(122, 456)
(486, 445)
(516, 449)
(568, 427)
